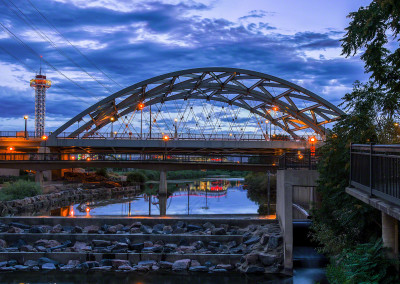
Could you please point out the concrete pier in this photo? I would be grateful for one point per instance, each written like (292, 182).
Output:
(390, 234)
(286, 181)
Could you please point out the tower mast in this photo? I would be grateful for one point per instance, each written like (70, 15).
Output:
(40, 84)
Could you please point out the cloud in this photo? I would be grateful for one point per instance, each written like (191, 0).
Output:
(131, 43)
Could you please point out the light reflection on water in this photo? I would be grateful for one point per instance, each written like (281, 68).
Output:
(206, 196)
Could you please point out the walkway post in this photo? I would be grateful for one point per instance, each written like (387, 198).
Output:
(268, 194)
(162, 192)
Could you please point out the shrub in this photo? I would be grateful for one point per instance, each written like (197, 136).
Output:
(20, 189)
(102, 172)
(366, 263)
(136, 177)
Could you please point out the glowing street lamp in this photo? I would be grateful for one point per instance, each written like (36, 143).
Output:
(112, 119)
(44, 138)
(26, 126)
(165, 138)
(141, 106)
(176, 128)
(313, 139)
(11, 148)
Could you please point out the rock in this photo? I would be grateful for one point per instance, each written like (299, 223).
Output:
(73, 262)
(187, 249)
(88, 264)
(182, 264)
(15, 230)
(49, 266)
(264, 239)
(252, 240)
(218, 231)
(146, 229)
(116, 263)
(44, 260)
(155, 268)
(267, 259)
(198, 245)
(147, 263)
(247, 236)
(254, 269)
(134, 230)
(57, 229)
(180, 224)
(92, 229)
(224, 266)
(167, 230)
(77, 230)
(165, 264)
(251, 258)
(194, 263)
(208, 225)
(66, 244)
(158, 227)
(102, 268)
(81, 246)
(198, 268)
(136, 225)
(20, 225)
(27, 248)
(37, 230)
(274, 241)
(148, 244)
(214, 244)
(191, 228)
(31, 263)
(179, 230)
(208, 264)
(101, 243)
(219, 270)
(125, 267)
(106, 262)
(137, 247)
(19, 243)
(111, 230)
(67, 268)
(141, 268)
(120, 246)
(21, 267)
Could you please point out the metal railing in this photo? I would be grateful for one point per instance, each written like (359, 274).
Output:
(159, 136)
(306, 160)
(375, 169)
(129, 157)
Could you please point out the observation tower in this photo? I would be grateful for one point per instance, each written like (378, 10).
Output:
(41, 84)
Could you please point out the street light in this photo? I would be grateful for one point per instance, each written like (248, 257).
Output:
(165, 138)
(176, 130)
(112, 119)
(11, 148)
(141, 106)
(44, 138)
(313, 139)
(26, 126)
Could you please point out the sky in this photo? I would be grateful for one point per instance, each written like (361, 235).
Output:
(119, 43)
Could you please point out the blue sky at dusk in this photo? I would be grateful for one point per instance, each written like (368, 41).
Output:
(130, 41)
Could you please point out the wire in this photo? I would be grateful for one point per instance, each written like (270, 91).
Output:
(16, 38)
(46, 38)
(32, 70)
(91, 62)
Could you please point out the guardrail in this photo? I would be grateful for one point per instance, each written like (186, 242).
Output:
(306, 160)
(160, 136)
(375, 169)
(128, 157)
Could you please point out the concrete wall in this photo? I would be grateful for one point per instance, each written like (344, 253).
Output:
(9, 172)
(286, 180)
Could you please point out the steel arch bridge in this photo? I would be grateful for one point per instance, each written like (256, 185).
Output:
(290, 108)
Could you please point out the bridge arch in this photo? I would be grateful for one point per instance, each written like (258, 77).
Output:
(293, 109)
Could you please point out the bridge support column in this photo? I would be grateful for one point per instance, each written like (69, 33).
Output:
(286, 180)
(39, 177)
(390, 234)
(162, 193)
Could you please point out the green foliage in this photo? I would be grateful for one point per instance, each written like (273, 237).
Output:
(342, 221)
(136, 177)
(375, 31)
(102, 172)
(366, 263)
(257, 188)
(20, 189)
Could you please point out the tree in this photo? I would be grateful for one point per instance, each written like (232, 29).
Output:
(372, 108)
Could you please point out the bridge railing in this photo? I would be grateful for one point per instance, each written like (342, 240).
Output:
(375, 169)
(129, 157)
(185, 136)
(306, 160)
(20, 134)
